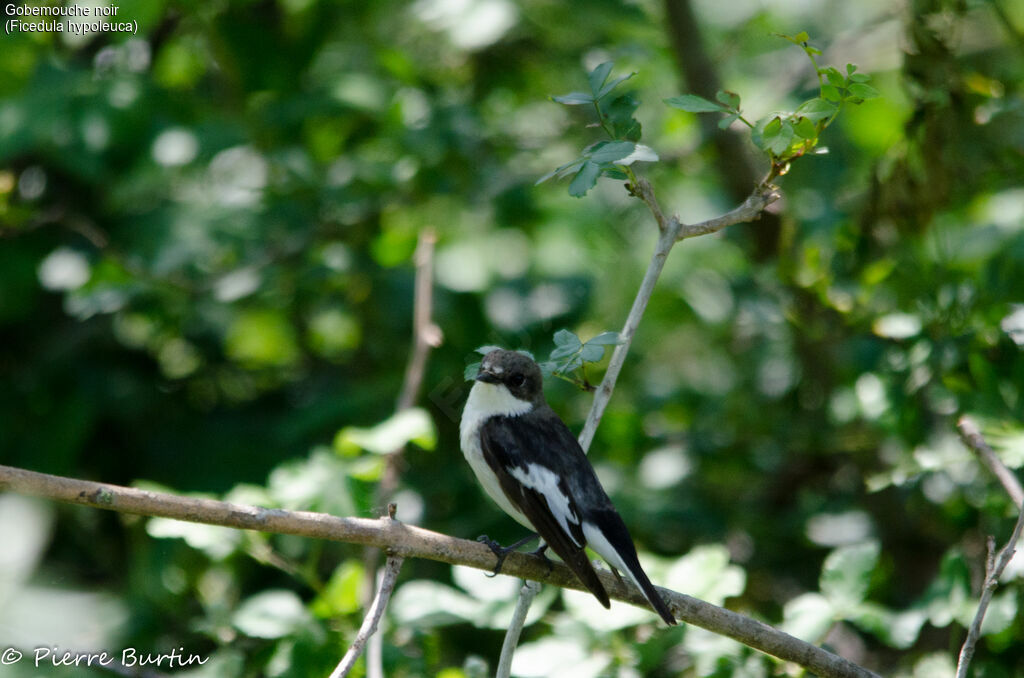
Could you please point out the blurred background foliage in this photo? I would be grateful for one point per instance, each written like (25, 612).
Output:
(206, 233)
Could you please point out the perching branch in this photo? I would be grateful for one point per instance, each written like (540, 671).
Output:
(994, 564)
(373, 615)
(408, 541)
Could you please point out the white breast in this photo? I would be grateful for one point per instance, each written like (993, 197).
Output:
(486, 401)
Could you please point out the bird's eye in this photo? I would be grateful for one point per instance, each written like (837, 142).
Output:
(517, 380)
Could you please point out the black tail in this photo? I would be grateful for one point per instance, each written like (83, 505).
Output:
(609, 536)
(578, 562)
(651, 594)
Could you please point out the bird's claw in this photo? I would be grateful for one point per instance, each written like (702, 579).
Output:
(501, 552)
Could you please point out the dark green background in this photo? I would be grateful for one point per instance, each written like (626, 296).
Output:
(206, 234)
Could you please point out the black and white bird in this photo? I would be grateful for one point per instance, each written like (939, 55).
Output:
(531, 465)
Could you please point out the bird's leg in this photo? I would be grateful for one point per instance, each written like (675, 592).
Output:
(502, 551)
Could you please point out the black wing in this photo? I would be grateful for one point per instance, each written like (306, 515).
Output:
(541, 438)
(511, 443)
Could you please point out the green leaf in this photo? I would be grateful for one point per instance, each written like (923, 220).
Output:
(898, 630)
(566, 344)
(705, 572)
(612, 151)
(574, 99)
(640, 153)
(835, 78)
(341, 595)
(567, 168)
(850, 68)
(262, 338)
(801, 37)
(217, 542)
(730, 99)
(598, 76)
(859, 77)
(584, 179)
(271, 614)
(831, 93)
(805, 129)
(486, 348)
(816, 109)
(606, 339)
(469, 374)
(620, 115)
(609, 86)
(807, 617)
(775, 135)
(728, 120)
(695, 104)
(423, 604)
(862, 91)
(846, 574)
(591, 353)
(574, 362)
(565, 337)
(563, 352)
(413, 425)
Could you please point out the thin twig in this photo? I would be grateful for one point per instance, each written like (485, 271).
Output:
(671, 230)
(425, 336)
(994, 566)
(408, 541)
(387, 584)
(508, 648)
(748, 211)
(971, 436)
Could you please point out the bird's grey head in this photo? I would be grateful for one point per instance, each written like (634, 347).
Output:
(516, 372)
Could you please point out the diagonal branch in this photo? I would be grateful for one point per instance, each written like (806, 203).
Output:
(387, 584)
(671, 231)
(408, 541)
(971, 436)
(995, 564)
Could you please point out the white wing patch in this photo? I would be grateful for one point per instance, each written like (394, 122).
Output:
(545, 481)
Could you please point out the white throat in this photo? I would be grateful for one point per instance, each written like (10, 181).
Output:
(486, 401)
(492, 400)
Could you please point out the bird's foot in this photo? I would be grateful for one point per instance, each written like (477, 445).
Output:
(539, 552)
(501, 552)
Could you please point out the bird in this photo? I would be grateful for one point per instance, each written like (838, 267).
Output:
(531, 465)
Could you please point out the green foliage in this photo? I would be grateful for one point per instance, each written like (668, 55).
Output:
(604, 158)
(786, 136)
(206, 282)
(413, 425)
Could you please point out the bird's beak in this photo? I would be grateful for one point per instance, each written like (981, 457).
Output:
(487, 377)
